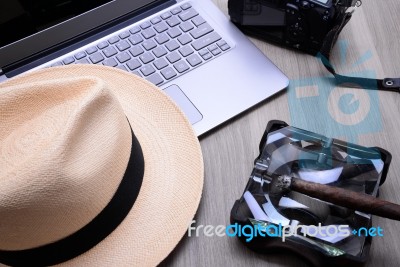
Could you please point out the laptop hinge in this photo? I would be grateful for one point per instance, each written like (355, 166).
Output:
(2, 76)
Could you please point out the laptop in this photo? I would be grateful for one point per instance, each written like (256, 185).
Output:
(189, 49)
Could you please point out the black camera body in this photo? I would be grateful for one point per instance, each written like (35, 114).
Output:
(300, 24)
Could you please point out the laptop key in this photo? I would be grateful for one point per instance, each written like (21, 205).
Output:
(145, 25)
(96, 58)
(198, 20)
(173, 57)
(159, 51)
(168, 73)
(109, 51)
(111, 62)
(134, 30)
(155, 79)
(225, 47)
(147, 70)
(186, 26)
(173, 21)
(124, 35)
(149, 44)
(188, 14)
(68, 60)
(82, 61)
(186, 50)
(135, 39)
(212, 47)
(122, 45)
(216, 51)
(203, 52)
(185, 39)
(80, 55)
(194, 60)
(146, 57)
(102, 45)
(174, 32)
(161, 38)
(201, 31)
(91, 50)
(133, 64)
(172, 45)
(113, 40)
(221, 43)
(166, 15)
(206, 40)
(155, 20)
(160, 27)
(206, 56)
(160, 63)
(176, 11)
(123, 57)
(181, 66)
(186, 6)
(136, 50)
(148, 33)
(56, 64)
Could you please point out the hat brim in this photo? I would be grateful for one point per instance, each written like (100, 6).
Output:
(173, 178)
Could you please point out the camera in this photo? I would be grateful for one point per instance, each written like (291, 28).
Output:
(299, 24)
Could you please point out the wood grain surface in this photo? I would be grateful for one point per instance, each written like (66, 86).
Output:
(372, 36)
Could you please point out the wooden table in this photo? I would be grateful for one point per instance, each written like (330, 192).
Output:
(372, 39)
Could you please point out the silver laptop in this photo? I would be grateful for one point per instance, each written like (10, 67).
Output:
(187, 48)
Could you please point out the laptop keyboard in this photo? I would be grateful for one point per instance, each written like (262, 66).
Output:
(160, 49)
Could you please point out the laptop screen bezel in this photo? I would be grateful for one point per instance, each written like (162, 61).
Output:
(69, 29)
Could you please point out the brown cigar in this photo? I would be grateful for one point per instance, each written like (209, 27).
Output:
(335, 195)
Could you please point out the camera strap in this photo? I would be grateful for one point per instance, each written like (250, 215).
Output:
(387, 84)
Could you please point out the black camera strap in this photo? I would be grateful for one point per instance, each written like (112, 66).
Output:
(387, 84)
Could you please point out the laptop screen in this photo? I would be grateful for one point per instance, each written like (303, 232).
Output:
(19, 19)
(28, 27)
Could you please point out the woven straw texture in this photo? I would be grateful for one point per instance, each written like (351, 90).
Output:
(173, 178)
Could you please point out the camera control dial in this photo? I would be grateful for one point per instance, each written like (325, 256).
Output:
(305, 4)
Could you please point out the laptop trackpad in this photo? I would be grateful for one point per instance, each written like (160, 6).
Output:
(184, 103)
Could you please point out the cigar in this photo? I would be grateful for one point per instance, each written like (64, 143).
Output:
(335, 195)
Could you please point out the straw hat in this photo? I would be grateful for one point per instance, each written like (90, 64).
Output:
(76, 145)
